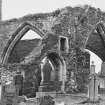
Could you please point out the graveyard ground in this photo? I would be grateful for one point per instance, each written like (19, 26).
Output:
(68, 99)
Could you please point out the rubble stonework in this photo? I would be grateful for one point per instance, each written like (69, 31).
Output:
(77, 28)
(62, 22)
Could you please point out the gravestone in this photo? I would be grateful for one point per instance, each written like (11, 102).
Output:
(10, 90)
(93, 85)
(103, 68)
(9, 94)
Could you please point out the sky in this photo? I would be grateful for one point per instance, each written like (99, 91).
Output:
(18, 8)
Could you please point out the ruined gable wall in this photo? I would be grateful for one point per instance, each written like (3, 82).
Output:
(75, 23)
(62, 22)
(42, 21)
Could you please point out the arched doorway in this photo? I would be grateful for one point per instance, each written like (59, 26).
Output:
(53, 70)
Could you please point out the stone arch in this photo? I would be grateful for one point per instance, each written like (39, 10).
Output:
(58, 73)
(17, 35)
(97, 60)
(95, 41)
(57, 62)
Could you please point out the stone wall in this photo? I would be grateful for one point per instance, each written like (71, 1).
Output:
(83, 70)
(62, 22)
(74, 23)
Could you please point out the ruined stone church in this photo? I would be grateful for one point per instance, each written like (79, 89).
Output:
(57, 60)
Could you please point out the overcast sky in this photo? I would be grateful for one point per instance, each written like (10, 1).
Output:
(19, 8)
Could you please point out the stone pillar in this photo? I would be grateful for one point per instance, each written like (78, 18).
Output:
(93, 85)
(63, 77)
(96, 97)
(42, 77)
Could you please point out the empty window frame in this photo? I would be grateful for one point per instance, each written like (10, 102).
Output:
(63, 43)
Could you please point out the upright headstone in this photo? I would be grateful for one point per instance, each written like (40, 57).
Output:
(93, 84)
(9, 95)
(18, 81)
(63, 77)
(103, 68)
